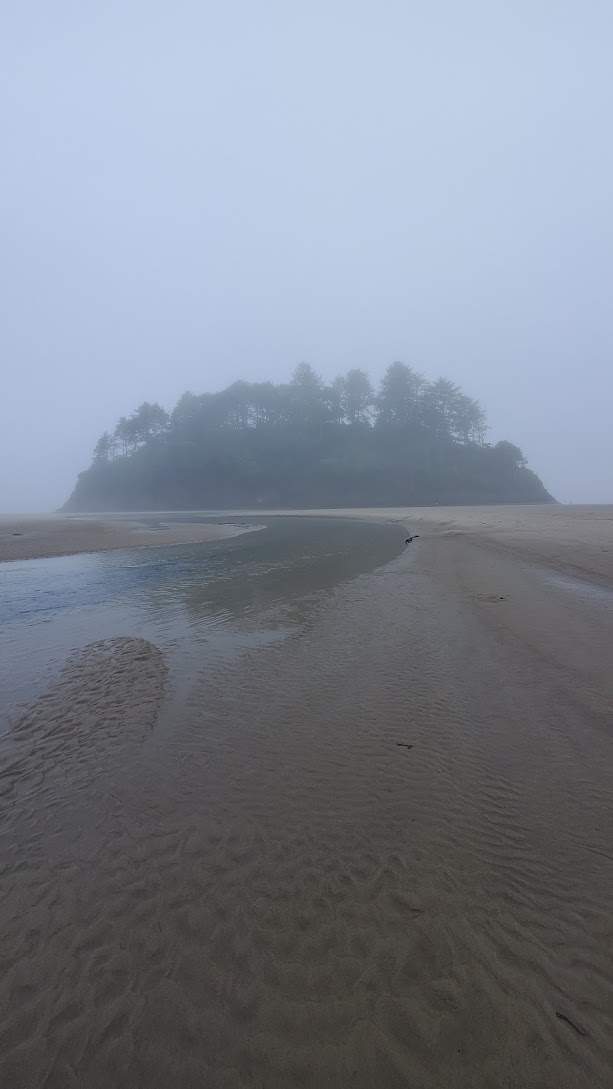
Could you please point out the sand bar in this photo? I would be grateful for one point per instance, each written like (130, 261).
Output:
(27, 537)
(573, 539)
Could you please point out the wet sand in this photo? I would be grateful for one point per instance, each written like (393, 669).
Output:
(376, 854)
(29, 537)
(574, 539)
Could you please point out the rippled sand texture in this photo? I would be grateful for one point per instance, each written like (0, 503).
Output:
(378, 854)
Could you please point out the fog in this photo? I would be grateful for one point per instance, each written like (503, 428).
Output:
(195, 192)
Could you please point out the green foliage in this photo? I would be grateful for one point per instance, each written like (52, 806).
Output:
(400, 397)
(307, 444)
(104, 449)
(358, 397)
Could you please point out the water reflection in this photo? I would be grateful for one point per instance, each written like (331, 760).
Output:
(195, 601)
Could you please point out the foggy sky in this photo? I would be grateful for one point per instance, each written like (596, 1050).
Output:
(195, 191)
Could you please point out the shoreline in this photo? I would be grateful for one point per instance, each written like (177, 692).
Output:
(573, 540)
(35, 537)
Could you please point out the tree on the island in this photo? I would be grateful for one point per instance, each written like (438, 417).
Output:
(104, 449)
(398, 400)
(467, 420)
(358, 396)
(185, 409)
(149, 419)
(307, 401)
(334, 396)
(237, 402)
(479, 423)
(264, 403)
(437, 406)
(196, 415)
(511, 454)
(125, 434)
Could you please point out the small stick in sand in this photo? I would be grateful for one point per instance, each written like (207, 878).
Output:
(577, 1028)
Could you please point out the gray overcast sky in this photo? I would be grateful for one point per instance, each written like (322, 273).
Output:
(197, 191)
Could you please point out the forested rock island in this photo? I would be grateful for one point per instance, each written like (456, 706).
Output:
(303, 443)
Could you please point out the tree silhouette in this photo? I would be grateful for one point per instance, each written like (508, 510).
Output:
(358, 396)
(103, 450)
(307, 400)
(148, 420)
(125, 434)
(398, 402)
(334, 396)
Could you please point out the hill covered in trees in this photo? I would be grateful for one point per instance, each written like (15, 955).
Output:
(307, 444)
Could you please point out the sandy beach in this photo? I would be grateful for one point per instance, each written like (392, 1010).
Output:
(375, 853)
(574, 539)
(29, 537)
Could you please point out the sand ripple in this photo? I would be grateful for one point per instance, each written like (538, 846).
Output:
(276, 893)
